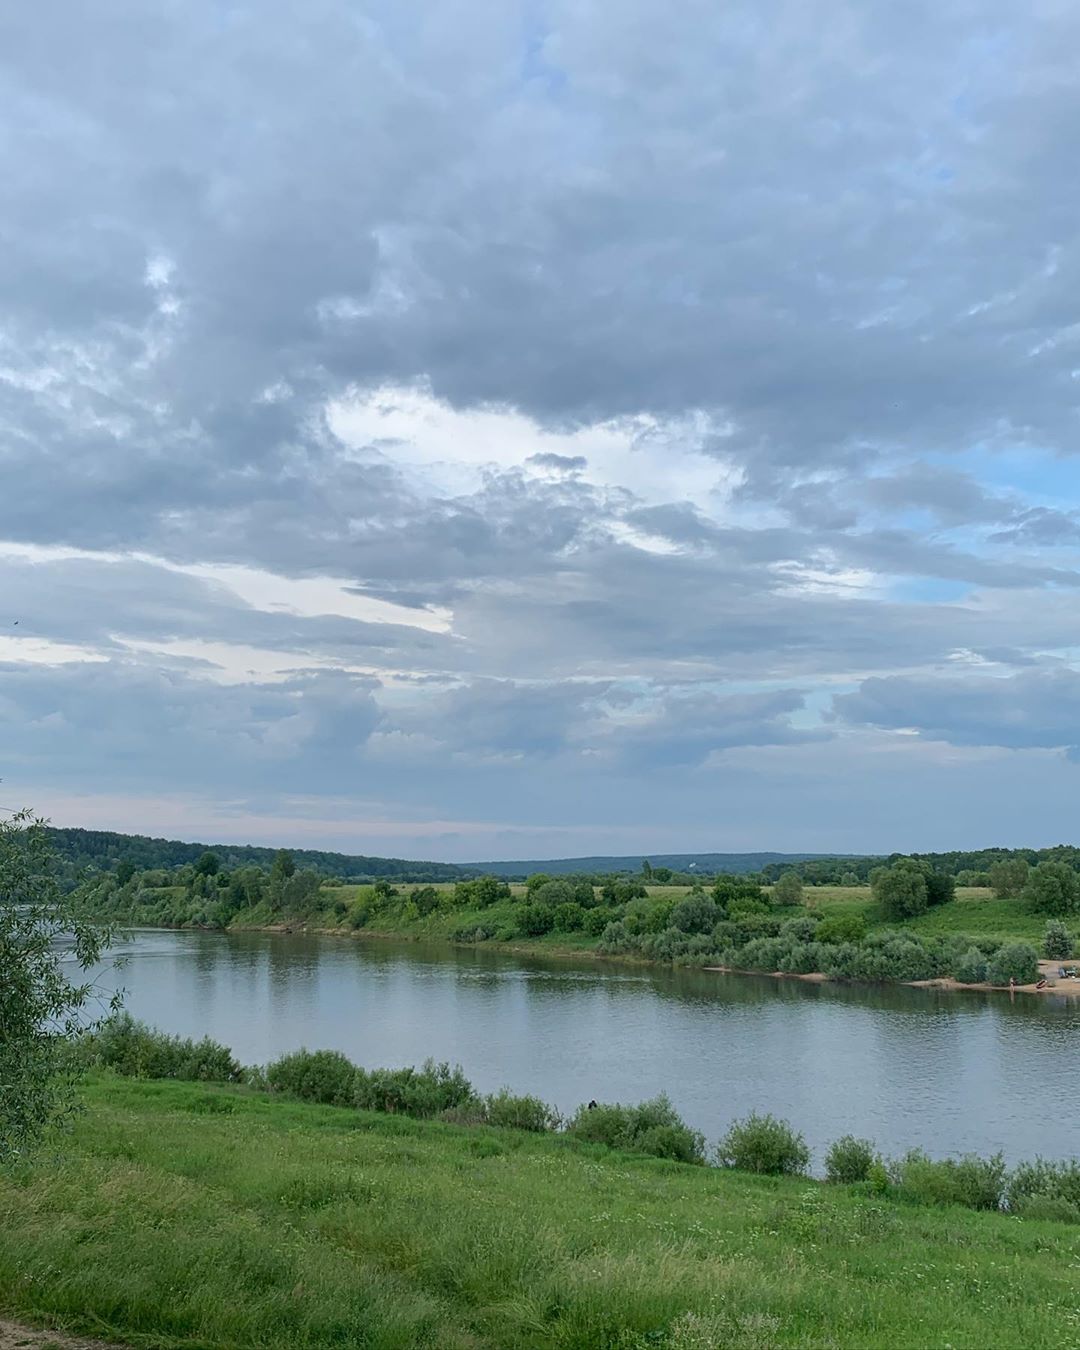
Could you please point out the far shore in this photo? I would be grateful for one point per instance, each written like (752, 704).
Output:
(1047, 969)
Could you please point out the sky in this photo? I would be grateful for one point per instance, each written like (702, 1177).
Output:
(523, 428)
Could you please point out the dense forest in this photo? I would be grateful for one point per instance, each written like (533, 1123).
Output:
(81, 852)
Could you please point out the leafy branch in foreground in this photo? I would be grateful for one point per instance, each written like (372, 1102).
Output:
(46, 945)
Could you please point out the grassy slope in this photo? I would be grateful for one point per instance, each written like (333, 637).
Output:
(190, 1215)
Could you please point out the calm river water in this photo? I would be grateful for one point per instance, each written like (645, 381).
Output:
(905, 1067)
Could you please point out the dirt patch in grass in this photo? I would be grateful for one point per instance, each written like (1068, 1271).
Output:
(13, 1336)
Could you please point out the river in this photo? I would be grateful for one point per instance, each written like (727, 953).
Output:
(948, 1072)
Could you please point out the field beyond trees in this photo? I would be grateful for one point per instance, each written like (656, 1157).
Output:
(189, 1214)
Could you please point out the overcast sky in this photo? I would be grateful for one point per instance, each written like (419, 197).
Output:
(521, 427)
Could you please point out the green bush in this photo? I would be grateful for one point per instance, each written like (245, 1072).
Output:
(970, 968)
(1057, 941)
(422, 1092)
(695, 914)
(471, 931)
(536, 920)
(616, 939)
(802, 928)
(849, 1160)
(761, 1143)
(977, 1183)
(653, 1127)
(804, 958)
(596, 920)
(1049, 1208)
(135, 1050)
(837, 928)
(314, 1076)
(568, 917)
(1018, 961)
(1043, 1181)
(520, 1113)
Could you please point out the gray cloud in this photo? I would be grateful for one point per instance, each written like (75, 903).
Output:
(831, 247)
(1033, 709)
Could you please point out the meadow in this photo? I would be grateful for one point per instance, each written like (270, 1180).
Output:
(189, 1214)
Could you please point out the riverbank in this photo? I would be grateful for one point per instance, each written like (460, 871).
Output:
(1069, 988)
(194, 1215)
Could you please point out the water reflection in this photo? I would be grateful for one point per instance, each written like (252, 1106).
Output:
(948, 1072)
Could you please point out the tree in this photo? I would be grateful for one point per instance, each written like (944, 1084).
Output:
(788, 889)
(1057, 941)
(282, 867)
(1053, 888)
(1008, 877)
(125, 870)
(208, 865)
(646, 869)
(695, 914)
(940, 888)
(900, 890)
(1018, 962)
(42, 1010)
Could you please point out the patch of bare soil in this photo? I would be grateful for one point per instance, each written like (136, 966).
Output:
(16, 1337)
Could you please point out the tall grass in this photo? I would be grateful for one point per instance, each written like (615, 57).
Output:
(193, 1214)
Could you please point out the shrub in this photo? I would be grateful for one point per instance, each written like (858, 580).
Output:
(1018, 962)
(422, 1092)
(471, 931)
(788, 889)
(596, 920)
(1057, 1182)
(536, 920)
(764, 1144)
(842, 927)
(665, 946)
(745, 903)
(766, 954)
(695, 914)
(425, 898)
(135, 1050)
(978, 1183)
(314, 1076)
(849, 1160)
(1049, 1208)
(648, 916)
(804, 958)
(520, 1113)
(970, 968)
(653, 1127)
(1057, 940)
(568, 917)
(803, 928)
(616, 939)
(551, 893)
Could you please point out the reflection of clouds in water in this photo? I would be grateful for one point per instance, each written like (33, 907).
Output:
(905, 1067)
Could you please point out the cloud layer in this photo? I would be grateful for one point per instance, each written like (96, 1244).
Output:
(512, 427)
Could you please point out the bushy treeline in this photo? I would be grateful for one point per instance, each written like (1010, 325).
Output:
(736, 923)
(748, 937)
(760, 1144)
(967, 867)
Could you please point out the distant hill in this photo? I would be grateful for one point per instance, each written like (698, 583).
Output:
(80, 850)
(708, 864)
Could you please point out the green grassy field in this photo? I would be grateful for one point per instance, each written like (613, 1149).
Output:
(191, 1215)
